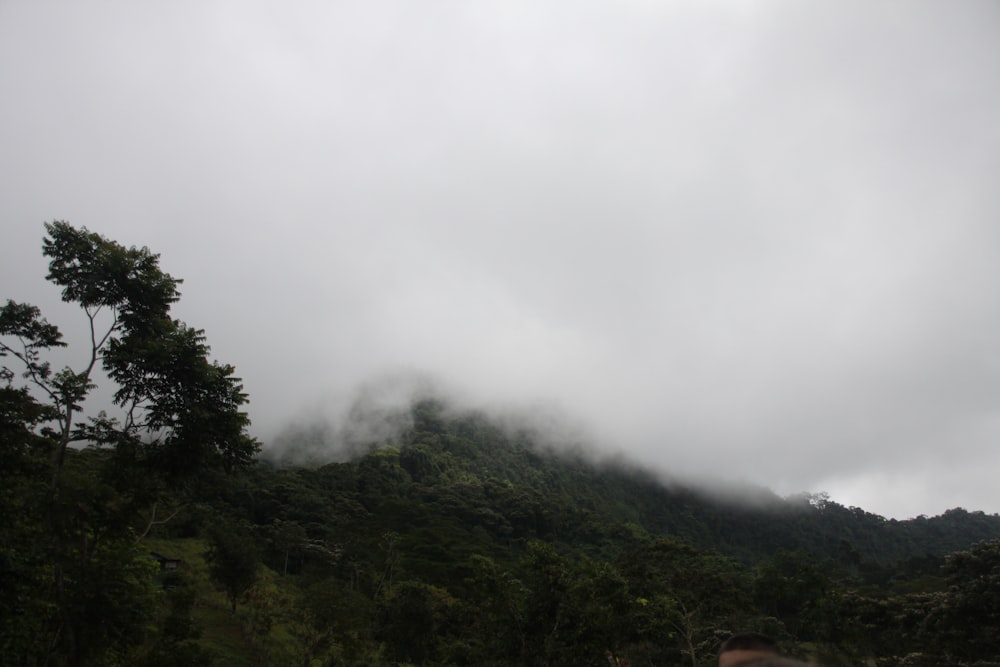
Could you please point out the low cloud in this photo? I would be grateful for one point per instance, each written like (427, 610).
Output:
(756, 241)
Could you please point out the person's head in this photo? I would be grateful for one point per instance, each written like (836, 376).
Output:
(776, 661)
(745, 647)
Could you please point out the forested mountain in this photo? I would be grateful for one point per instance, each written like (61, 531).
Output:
(506, 487)
(160, 537)
(456, 515)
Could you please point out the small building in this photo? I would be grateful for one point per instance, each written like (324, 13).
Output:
(165, 563)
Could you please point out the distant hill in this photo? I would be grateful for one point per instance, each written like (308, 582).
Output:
(458, 541)
(501, 486)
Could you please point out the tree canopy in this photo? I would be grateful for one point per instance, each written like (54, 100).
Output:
(176, 405)
(80, 488)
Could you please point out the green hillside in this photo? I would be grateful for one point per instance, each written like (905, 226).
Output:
(459, 542)
(469, 471)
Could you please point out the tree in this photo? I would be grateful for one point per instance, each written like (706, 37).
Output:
(415, 620)
(794, 588)
(178, 408)
(83, 481)
(966, 621)
(493, 613)
(233, 561)
(286, 538)
(686, 594)
(23, 613)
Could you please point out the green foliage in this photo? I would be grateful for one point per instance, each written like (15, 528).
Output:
(180, 411)
(494, 613)
(475, 548)
(793, 588)
(693, 595)
(969, 614)
(481, 550)
(551, 560)
(414, 620)
(78, 493)
(232, 556)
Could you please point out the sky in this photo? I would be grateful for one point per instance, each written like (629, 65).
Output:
(749, 241)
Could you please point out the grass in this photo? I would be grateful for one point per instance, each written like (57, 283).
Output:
(223, 636)
(221, 631)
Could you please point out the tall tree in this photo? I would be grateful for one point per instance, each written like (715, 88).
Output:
(233, 560)
(93, 476)
(177, 406)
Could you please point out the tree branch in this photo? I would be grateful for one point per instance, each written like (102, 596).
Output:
(154, 522)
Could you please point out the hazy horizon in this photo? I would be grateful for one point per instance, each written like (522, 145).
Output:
(380, 414)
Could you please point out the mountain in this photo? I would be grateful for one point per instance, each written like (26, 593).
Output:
(498, 485)
(453, 539)
(460, 541)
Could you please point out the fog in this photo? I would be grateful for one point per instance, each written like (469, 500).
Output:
(749, 240)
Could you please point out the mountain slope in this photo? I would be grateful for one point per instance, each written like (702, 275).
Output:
(501, 486)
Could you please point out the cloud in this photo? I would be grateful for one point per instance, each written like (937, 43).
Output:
(749, 238)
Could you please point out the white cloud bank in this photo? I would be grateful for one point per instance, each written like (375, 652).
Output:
(753, 239)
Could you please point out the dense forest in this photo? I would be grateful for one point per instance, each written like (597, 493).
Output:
(162, 536)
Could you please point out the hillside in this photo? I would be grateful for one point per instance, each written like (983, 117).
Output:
(468, 470)
(459, 542)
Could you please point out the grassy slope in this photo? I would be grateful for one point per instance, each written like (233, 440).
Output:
(222, 632)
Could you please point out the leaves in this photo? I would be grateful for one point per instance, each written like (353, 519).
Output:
(233, 560)
(96, 272)
(73, 512)
(26, 323)
(33, 334)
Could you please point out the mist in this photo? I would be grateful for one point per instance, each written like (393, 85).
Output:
(755, 242)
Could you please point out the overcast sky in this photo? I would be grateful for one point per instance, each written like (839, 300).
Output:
(757, 239)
